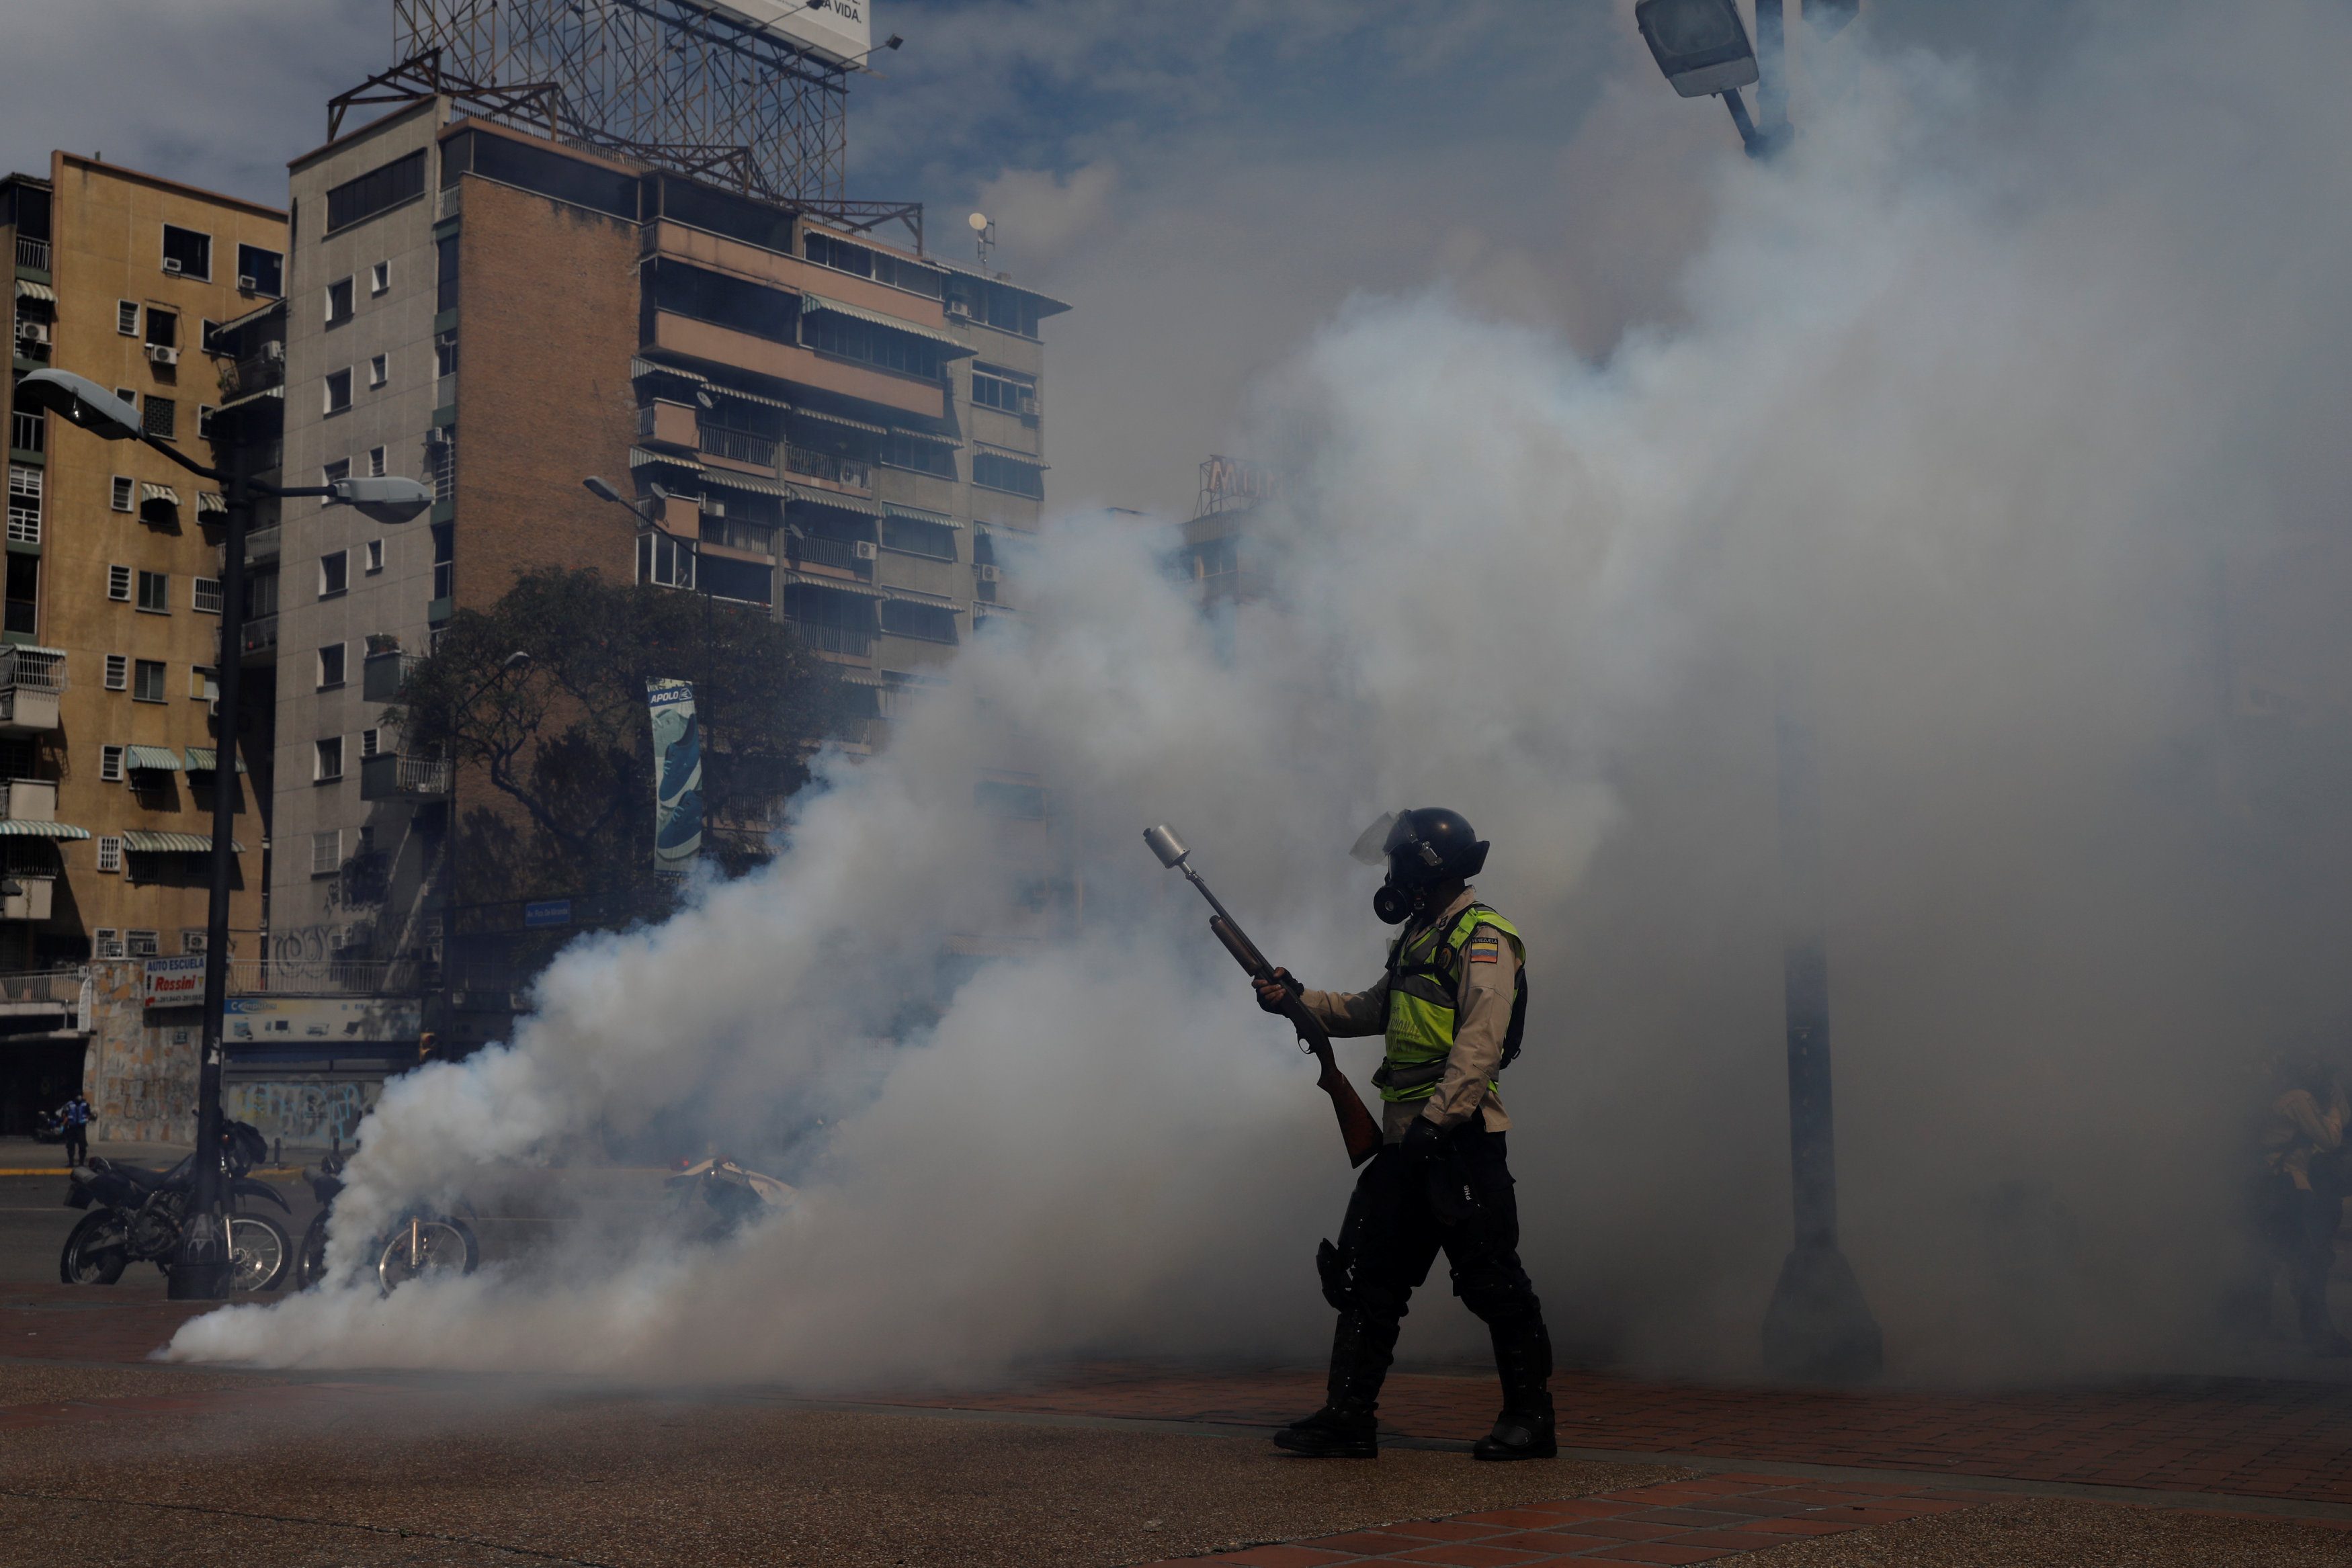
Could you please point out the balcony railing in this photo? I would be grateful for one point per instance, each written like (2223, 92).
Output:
(262, 544)
(383, 674)
(33, 253)
(391, 776)
(840, 553)
(255, 374)
(331, 977)
(261, 636)
(33, 669)
(59, 986)
(737, 445)
(824, 465)
(829, 639)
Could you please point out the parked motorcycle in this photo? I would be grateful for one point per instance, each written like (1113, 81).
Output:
(139, 1215)
(48, 1127)
(416, 1245)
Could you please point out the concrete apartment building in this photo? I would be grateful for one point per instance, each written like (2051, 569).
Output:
(845, 431)
(108, 743)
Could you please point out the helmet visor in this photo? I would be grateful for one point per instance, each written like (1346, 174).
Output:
(1372, 845)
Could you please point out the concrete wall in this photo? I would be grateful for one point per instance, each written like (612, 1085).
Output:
(141, 1064)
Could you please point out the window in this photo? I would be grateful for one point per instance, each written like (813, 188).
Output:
(996, 472)
(187, 253)
(339, 390)
(156, 591)
(375, 462)
(444, 560)
(118, 583)
(24, 504)
(665, 561)
(374, 556)
(377, 191)
(334, 573)
(445, 354)
(110, 764)
(118, 673)
(207, 597)
(163, 418)
(191, 943)
(931, 622)
(327, 850)
(377, 373)
(369, 743)
(163, 329)
(339, 302)
(126, 317)
(340, 468)
(142, 945)
(848, 338)
(327, 764)
(204, 412)
(147, 681)
(445, 273)
(204, 684)
(106, 941)
(24, 593)
(918, 537)
(380, 278)
(443, 455)
(260, 271)
(330, 667)
(128, 396)
(993, 387)
(121, 497)
(903, 449)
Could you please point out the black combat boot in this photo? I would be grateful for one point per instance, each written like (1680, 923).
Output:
(1523, 1360)
(1345, 1428)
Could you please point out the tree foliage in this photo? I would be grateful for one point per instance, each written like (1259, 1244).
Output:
(565, 743)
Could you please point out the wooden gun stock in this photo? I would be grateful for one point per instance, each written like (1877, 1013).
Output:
(1357, 1128)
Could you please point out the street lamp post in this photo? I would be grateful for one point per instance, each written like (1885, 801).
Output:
(200, 1271)
(1819, 1327)
(706, 700)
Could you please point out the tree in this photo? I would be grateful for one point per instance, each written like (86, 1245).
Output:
(565, 742)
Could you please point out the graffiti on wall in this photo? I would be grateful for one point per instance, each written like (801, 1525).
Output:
(301, 1112)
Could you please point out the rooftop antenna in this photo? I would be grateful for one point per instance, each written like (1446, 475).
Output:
(983, 236)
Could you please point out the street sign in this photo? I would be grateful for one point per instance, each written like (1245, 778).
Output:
(176, 982)
(548, 912)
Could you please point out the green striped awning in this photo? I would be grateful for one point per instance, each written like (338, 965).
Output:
(810, 498)
(18, 828)
(920, 514)
(204, 760)
(162, 758)
(173, 843)
(957, 347)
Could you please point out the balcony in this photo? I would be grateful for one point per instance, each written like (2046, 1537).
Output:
(40, 990)
(255, 374)
(28, 800)
(850, 641)
(842, 471)
(383, 674)
(258, 643)
(31, 681)
(27, 431)
(839, 555)
(666, 424)
(743, 446)
(262, 544)
(33, 902)
(724, 346)
(33, 253)
(392, 776)
(324, 977)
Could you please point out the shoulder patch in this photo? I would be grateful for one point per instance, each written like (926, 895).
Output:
(1484, 947)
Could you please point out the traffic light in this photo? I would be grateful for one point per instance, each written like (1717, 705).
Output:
(425, 1044)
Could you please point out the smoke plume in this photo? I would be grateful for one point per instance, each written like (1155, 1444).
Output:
(1994, 429)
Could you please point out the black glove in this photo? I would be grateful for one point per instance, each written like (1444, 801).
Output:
(1423, 1139)
(1277, 991)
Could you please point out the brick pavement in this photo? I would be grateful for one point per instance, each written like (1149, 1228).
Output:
(1695, 1520)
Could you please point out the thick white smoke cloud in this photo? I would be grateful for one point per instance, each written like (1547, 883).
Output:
(1976, 395)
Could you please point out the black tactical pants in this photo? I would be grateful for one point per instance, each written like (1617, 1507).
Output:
(1405, 1211)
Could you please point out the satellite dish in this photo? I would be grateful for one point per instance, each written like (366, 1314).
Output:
(978, 221)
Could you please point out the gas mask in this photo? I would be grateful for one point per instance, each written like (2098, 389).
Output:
(1414, 866)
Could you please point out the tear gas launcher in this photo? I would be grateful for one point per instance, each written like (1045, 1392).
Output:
(1356, 1124)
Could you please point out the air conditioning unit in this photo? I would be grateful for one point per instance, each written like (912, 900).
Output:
(247, 284)
(171, 264)
(867, 549)
(989, 574)
(32, 331)
(273, 352)
(162, 353)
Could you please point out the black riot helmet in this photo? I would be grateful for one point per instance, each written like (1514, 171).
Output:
(1423, 847)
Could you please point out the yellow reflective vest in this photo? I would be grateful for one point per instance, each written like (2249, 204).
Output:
(1424, 979)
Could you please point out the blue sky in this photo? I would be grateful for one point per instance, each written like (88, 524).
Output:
(1206, 182)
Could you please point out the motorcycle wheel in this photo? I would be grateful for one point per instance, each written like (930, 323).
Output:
(310, 1258)
(423, 1245)
(259, 1252)
(97, 1251)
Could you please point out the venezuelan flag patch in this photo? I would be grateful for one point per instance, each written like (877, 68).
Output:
(1485, 947)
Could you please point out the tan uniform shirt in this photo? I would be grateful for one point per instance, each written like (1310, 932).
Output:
(1482, 1017)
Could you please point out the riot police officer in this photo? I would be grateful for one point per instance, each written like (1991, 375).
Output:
(1452, 1006)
